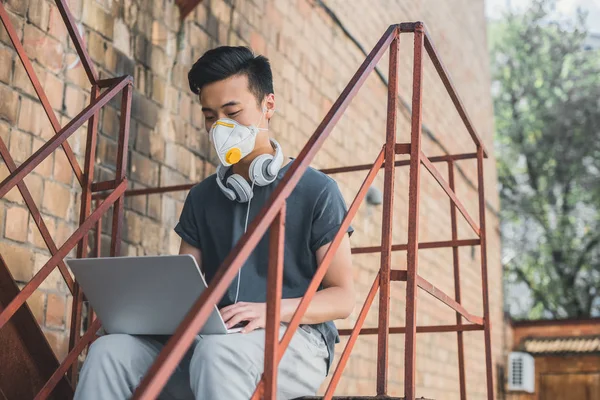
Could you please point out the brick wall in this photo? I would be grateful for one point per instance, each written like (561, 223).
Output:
(312, 61)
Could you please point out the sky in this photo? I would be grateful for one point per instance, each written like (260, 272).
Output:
(495, 8)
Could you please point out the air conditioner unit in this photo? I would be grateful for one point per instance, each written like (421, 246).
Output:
(521, 372)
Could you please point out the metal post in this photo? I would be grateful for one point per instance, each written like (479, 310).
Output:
(274, 287)
(487, 325)
(123, 146)
(386, 226)
(98, 234)
(413, 219)
(84, 212)
(97, 253)
(457, 295)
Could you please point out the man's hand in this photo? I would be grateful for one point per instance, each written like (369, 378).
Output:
(254, 313)
(334, 301)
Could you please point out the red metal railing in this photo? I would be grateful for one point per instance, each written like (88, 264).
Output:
(87, 219)
(272, 216)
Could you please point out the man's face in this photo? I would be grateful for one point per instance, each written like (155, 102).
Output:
(231, 98)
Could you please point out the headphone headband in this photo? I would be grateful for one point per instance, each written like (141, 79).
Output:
(262, 171)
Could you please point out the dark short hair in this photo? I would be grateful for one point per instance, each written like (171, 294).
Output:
(227, 61)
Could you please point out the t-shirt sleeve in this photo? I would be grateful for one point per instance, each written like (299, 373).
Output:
(187, 227)
(328, 214)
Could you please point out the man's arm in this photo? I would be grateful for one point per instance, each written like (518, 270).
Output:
(335, 301)
(186, 248)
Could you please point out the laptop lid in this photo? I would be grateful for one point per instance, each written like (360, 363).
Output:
(144, 295)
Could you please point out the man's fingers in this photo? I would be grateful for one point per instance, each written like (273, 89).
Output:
(252, 325)
(242, 316)
(227, 313)
(233, 306)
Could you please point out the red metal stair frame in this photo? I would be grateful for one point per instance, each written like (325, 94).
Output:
(122, 85)
(272, 217)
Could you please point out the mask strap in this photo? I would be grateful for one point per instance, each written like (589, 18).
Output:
(264, 112)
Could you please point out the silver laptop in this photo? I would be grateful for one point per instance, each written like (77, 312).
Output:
(147, 295)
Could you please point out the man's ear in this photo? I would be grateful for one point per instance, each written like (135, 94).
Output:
(270, 105)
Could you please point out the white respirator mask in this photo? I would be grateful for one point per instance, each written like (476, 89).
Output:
(234, 141)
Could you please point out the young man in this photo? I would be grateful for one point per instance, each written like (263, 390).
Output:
(235, 89)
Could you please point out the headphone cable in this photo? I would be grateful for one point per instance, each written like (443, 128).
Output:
(237, 291)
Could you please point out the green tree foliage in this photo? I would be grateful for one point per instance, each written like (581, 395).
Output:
(547, 110)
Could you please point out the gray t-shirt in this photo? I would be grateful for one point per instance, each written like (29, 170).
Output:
(214, 224)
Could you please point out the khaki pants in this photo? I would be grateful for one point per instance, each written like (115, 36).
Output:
(215, 367)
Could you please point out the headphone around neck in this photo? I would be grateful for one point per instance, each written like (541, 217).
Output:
(263, 171)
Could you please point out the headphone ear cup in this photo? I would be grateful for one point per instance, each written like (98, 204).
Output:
(221, 172)
(241, 188)
(277, 161)
(259, 170)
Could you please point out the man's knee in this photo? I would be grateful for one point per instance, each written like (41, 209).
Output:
(224, 366)
(210, 351)
(111, 349)
(112, 368)
(226, 353)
